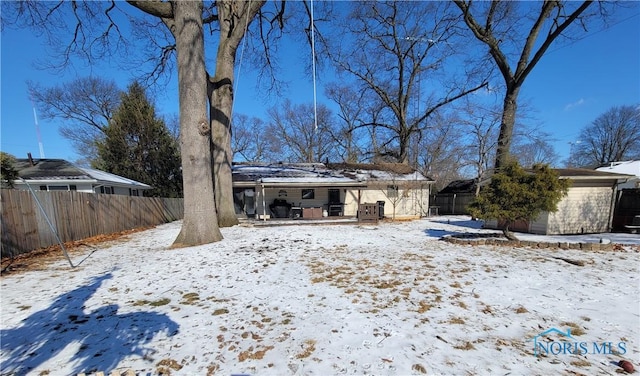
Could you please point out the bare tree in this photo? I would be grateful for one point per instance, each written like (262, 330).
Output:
(481, 124)
(440, 151)
(613, 136)
(251, 139)
(301, 141)
(393, 49)
(497, 24)
(85, 106)
(351, 137)
(534, 147)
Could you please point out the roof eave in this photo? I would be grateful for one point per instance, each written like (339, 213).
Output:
(57, 181)
(312, 184)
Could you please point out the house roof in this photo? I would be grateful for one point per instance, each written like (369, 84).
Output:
(582, 174)
(623, 167)
(319, 174)
(59, 170)
(291, 174)
(379, 172)
(586, 174)
(460, 186)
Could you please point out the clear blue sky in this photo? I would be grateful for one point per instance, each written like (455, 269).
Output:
(568, 89)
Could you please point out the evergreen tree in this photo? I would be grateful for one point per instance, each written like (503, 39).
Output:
(517, 194)
(138, 146)
(8, 172)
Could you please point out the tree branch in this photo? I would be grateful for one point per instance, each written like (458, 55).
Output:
(155, 8)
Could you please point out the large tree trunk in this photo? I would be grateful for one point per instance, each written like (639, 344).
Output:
(234, 17)
(221, 98)
(200, 224)
(506, 126)
(404, 140)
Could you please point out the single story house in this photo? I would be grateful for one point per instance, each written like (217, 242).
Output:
(316, 190)
(61, 175)
(587, 207)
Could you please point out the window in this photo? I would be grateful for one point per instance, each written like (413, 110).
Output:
(134, 192)
(58, 187)
(106, 190)
(392, 191)
(308, 194)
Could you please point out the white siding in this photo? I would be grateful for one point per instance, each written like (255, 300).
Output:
(351, 202)
(583, 210)
(410, 203)
(540, 225)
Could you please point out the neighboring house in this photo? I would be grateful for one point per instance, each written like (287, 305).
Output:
(626, 167)
(455, 197)
(627, 205)
(587, 208)
(316, 190)
(61, 175)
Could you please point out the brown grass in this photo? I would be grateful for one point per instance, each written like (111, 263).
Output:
(155, 303)
(250, 354)
(165, 366)
(40, 259)
(213, 369)
(521, 309)
(466, 346)
(456, 320)
(576, 330)
(424, 306)
(190, 298)
(419, 368)
(220, 311)
(580, 363)
(310, 347)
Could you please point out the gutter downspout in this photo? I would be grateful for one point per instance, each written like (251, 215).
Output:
(612, 206)
(264, 205)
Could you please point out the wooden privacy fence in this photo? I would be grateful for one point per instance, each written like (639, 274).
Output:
(75, 216)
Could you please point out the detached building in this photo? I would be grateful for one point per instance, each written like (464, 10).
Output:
(587, 208)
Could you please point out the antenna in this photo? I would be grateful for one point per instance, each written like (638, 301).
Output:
(313, 68)
(35, 117)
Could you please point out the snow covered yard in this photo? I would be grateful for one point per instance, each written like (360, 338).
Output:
(387, 299)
